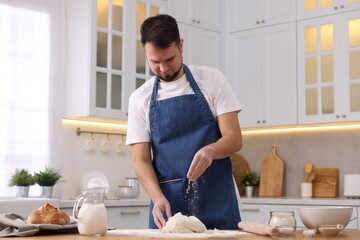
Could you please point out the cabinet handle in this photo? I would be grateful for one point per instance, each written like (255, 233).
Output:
(263, 121)
(198, 21)
(258, 121)
(257, 22)
(130, 213)
(262, 21)
(335, 8)
(193, 20)
(341, 6)
(344, 116)
(337, 116)
(250, 210)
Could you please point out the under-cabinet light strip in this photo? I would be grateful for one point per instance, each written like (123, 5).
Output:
(302, 128)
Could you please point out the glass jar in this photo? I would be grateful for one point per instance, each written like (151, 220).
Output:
(283, 221)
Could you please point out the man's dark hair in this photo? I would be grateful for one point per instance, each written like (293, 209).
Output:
(161, 30)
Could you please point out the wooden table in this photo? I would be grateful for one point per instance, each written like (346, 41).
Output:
(348, 235)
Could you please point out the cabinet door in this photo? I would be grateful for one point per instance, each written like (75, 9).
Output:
(263, 73)
(144, 9)
(279, 82)
(128, 217)
(183, 11)
(319, 68)
(210, 14)
(329, 77)
(245, 74)
(107, 88)
(207, 14)
(255, 213)
(202, 47)
(209, 49)
(317, 8)
(350, 74)
(260, 13)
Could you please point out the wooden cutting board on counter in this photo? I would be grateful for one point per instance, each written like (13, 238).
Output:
(239, 167)
(325, 183)
(272, 174)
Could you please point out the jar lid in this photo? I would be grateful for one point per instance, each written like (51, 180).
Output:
(282, 213)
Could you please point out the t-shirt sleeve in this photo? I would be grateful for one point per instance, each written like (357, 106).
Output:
(224, 99)
(137, 130)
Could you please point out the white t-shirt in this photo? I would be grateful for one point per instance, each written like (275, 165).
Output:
(212, 83)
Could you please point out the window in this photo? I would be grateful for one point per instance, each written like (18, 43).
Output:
(31, 74)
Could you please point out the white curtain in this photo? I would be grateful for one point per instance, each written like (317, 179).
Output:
(31, 87)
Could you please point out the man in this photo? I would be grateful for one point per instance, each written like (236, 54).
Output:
(182, 126)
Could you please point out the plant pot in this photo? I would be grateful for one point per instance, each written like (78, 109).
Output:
(46, 191)
(22, 191)
(249, 191)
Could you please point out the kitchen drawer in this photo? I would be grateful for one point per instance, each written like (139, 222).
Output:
(255, 213)
(129, 217)
(299, 224)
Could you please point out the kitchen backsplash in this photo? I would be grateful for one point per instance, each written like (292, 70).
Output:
(325, 148)
(77, 162)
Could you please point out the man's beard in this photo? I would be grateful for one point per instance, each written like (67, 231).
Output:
(173, 76)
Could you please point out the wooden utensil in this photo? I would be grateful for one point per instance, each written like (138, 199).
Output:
(325, 183)
(272, 173)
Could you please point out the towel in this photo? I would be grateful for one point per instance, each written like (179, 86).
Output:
(12, 224)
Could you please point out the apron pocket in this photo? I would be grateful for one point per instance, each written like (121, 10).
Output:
(173, 190)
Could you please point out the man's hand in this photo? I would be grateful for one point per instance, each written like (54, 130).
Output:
(201, 161)
(161, 205)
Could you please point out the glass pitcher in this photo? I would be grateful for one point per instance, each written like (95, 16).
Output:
(92, 218)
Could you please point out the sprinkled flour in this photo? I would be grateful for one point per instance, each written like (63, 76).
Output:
(157, 234)
(192, 197)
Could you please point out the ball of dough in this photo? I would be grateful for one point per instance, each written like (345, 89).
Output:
(183, 224)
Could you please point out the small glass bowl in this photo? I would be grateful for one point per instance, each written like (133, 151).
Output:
(331, 230)
(309, 232)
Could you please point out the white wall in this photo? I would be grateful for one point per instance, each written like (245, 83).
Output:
(77, 162)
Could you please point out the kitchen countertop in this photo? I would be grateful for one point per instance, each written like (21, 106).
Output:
(348, 235)
(128, 202)
(301, 201)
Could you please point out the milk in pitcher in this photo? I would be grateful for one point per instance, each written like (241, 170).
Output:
(92, 219)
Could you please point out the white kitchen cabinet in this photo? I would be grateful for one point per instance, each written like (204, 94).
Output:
(328, 68)
(100, 56)
(202, 47)
(316, 8)
(255, 213)
(201, 25)
(259, 13)
(207, 14)
(124, 217)
(262, 71)
(135, 217)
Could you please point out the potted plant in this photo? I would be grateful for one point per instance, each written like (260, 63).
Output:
(47, 179)
(22, 179)
(249, 180)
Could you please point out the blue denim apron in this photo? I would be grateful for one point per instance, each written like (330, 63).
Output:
(180, 126)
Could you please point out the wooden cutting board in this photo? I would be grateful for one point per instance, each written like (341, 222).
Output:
(272, 173)
(239, 166)
(325, 183)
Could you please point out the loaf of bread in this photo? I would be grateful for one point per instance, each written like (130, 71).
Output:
(48, 214)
